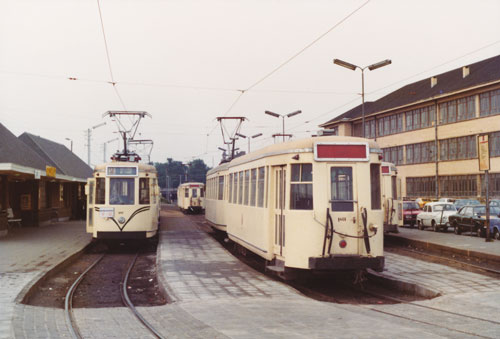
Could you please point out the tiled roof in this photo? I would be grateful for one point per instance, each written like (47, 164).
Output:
(13, 150)
(481, 72)
(58, 156)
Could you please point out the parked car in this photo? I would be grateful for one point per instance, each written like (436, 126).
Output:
(435, 215)
(410, 211)
(422, 201)
(451, 200)
(472, 218)
(459, 203)
(495, 202)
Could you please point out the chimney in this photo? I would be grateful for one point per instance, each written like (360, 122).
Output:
(465, 71)
(434, 81)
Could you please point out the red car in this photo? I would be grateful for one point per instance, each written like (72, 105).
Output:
(410, 211)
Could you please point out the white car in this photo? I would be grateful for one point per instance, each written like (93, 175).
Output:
(435, 215)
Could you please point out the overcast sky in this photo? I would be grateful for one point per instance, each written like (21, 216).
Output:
(186, 62)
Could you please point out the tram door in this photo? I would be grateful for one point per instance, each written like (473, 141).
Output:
(344, 206)
(90, 191)
(279, 173)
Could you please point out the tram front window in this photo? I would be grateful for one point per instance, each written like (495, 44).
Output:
(121, 191)
(341, 189)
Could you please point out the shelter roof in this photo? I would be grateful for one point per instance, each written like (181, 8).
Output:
(14, 150)
(57, 155)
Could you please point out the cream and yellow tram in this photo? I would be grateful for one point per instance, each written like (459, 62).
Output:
(216, 197)
(311, 204)
(123, 201)
(191, 197)
(391, 195)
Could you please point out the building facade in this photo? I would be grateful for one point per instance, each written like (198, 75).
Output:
(430, 130)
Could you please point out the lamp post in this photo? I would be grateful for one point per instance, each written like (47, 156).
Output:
(89, 134)
(289, 115)
(104, 148)
(71, 140)
(371, 68)
(249, 138)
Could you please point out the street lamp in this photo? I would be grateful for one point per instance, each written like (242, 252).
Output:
(289, 115)
(249, 138)
(371, 68)
(104, 148)
(89, 134)
(71, 140)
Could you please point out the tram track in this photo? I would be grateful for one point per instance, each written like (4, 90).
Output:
(70, 317)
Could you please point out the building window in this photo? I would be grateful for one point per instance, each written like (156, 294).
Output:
(494, 185)
(458, 185)
(489, 103)
(458, 148)
(421, 186)
(494, 141)
(421, 153)
(301, 193)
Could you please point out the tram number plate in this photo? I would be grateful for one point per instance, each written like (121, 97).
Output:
(107, 212)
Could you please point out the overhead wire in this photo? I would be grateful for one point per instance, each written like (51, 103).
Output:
(113, 82)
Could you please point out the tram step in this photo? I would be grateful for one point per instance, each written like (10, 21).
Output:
(278, 269)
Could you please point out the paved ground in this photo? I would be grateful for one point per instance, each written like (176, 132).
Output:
(26, 254)
(216, 296)
(466, 241)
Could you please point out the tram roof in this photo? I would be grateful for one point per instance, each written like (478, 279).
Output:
(142, 167)
(191, 183)
(299, 145)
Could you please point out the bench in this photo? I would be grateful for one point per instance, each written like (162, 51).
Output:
(11, 220)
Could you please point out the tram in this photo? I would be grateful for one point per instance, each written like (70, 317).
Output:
(191, 197)
(392, 200)
(123, 201)
(313, 204)
(216, 199)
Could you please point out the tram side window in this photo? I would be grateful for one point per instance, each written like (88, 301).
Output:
(240, 189)
(91, 193)
(144, 191)
(186, 193)
(235, 185)
(301, 193)
(100, 187)
(221, 188)
(230, 187)
(262, 178)
(121, 191)
(247, 185)
(341, 189)
(375, 186)
(253, 185)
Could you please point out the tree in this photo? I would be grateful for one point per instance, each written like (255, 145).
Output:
(197, 171)
(174, 172)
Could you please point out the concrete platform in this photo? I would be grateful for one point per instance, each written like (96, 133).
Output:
(466, 244)
(26, 254)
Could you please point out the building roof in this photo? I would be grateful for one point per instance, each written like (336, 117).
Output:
(482, 72)
(58, 156)
(13, 150)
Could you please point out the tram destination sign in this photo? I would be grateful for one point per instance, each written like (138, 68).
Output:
(115, 171)
(333, 151)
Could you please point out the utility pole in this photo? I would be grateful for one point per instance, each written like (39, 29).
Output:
(89, 135)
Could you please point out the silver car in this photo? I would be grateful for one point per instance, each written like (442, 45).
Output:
(435, 215)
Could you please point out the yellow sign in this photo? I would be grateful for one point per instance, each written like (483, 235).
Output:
(483, 154)
(50, 171)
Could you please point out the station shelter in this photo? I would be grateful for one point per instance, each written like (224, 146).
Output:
(41, 181)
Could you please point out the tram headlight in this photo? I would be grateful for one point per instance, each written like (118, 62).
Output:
(121, 220)
(342, 243)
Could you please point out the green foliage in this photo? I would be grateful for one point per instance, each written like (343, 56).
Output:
(177, 172)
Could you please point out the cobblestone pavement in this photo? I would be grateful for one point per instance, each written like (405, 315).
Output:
(216, 296)
(28, 253)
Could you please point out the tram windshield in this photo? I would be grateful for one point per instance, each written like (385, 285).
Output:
(121, 191)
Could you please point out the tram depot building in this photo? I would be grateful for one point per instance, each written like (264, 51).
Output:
(429, 129)
(41, 181)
